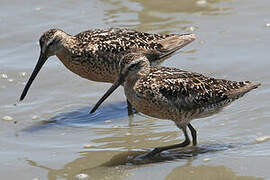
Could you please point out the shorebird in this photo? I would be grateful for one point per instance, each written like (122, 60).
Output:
(95, 54)
(174, 94)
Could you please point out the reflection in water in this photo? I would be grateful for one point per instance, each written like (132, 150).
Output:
(81, 117)
(86, 165)
(184, 6)
(138, 158)
(159, 14)
(117, 167)
(205, 172)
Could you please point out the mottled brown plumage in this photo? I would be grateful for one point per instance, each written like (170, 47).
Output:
(95, 54)
(174, 94)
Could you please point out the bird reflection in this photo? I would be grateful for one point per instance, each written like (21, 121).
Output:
(121, 162)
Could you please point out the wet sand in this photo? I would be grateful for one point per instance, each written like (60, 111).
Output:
(50, 135)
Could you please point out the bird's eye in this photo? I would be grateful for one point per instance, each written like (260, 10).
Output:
(50, 42)
(132, 66)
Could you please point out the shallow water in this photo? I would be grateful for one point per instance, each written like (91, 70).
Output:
(64, 142)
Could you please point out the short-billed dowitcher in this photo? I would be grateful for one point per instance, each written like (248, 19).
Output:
(95, 54)
(177, 95)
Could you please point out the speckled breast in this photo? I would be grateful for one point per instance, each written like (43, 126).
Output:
(94, 69)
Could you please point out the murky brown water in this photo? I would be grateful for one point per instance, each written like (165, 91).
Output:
(64, 142)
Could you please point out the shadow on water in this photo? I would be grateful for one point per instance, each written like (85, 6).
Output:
(81, 117)
(119, 164)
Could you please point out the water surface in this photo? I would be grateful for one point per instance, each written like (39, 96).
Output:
(63, 141)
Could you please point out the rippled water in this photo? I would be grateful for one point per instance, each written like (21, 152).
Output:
(52, 136)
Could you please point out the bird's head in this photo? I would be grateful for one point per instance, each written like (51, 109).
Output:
(50, 44)
(130, 65)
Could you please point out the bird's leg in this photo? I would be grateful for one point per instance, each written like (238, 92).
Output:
(131, 110)
(193, 134)
(160, 149)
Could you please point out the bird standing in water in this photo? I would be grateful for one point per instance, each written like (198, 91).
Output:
(95, 54)
(174, 94)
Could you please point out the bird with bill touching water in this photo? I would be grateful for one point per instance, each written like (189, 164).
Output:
(95, 54)
(174, 94)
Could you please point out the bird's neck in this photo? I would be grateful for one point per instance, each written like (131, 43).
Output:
(69, 44)
(67, 51)
(68, 48)
(144, 71)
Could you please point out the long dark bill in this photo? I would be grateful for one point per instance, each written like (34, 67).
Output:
(115, 85)
(42, 59)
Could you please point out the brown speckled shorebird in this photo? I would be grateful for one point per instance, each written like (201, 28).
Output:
(95, 54)
(174, 94)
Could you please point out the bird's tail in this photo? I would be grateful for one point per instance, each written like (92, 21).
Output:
(170, 45)
(248, 86)
(175, 42)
